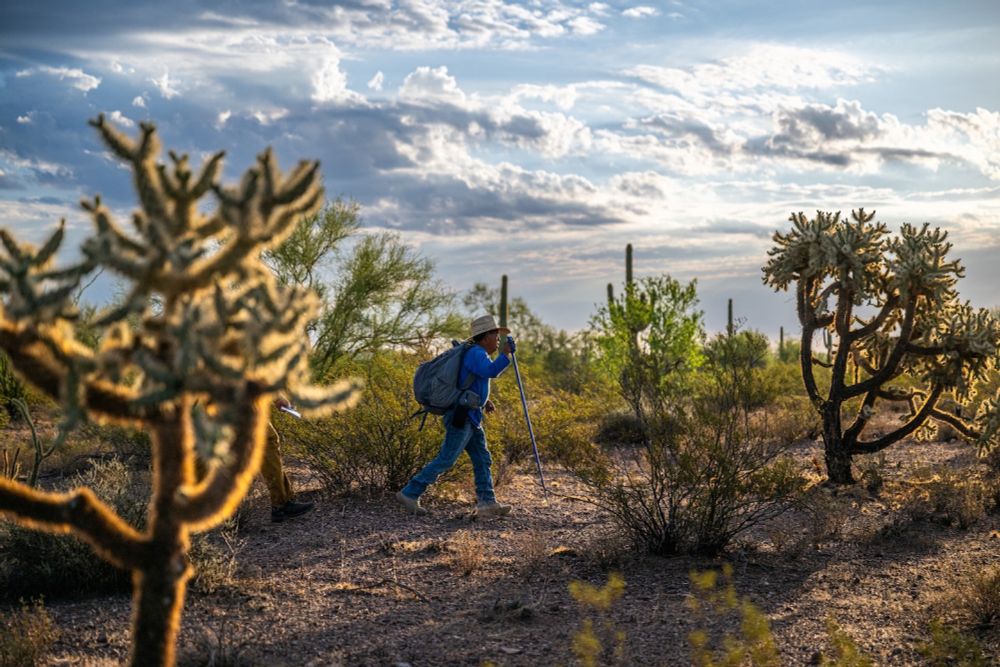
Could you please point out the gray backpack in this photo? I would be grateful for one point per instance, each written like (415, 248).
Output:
(435, 384)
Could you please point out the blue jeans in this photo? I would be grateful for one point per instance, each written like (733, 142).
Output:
(469, 438)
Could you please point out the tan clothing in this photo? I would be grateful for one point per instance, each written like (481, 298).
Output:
(278, 486)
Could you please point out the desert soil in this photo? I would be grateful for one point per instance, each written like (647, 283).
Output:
(359, 582)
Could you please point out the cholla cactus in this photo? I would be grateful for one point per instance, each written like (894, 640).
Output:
(918, 328)
(197, 372)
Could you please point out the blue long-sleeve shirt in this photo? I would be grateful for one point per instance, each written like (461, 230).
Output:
(478, 364)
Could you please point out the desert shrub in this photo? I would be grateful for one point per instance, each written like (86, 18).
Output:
(11, 389)
(793, 418)
(844, 649)
(710, 604)
(617, 429)
(377, 446)
(947, 647)
(26, 635)
(948, 498)
(56, 565)
(701, 480)
(981, 598)
(215, 557)
(598, 642)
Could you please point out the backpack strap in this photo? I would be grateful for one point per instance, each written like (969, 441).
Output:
(461, 364)
(423, 419)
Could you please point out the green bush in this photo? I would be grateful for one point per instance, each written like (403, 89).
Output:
(702, 480)
(845, 650)
(947, 647)
(33, 563)
(26, 635)
(375, 447)
(618, 429)
(11, 389)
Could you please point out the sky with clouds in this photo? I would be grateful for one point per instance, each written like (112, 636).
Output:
(536, 138)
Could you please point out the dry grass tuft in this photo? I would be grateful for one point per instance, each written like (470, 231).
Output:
(26, 635)
(532, 551)
(465, 551)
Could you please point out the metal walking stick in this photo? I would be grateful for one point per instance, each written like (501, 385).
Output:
(531, 431)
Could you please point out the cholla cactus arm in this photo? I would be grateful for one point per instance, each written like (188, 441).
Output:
(79, 511)
(808, 321)
(262, 210)
(889, 368)
(874, 324)
(925, 411)
(208, 503)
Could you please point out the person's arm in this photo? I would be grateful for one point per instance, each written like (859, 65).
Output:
(480, 364)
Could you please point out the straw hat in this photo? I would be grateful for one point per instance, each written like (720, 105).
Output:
(487, 323)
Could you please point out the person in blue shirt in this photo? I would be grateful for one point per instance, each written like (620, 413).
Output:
(464, 425)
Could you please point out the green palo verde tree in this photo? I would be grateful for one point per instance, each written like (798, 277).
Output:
(198, 372)
(649, 338)
(377, 293)
(916, 327)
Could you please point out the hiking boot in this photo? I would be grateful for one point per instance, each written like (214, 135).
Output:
(289, 510)
(486, 510)
(412, 505)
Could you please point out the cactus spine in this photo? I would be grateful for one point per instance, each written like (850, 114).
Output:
(198, 374)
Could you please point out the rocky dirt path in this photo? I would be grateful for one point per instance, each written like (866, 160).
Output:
(358, 582)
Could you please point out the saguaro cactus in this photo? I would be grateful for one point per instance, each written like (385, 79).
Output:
(503, 301)
(197, 373)
(919, 328)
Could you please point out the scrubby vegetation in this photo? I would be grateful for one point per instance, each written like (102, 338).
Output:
(661, 439)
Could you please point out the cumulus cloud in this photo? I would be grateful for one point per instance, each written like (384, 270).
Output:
(76, 76)
(641, 11)
(329, 83)
(139, 101)
(585, 26)
(375, 83)
(432, 84)
(120, 119)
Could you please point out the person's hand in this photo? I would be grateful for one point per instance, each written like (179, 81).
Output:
(489, 408)
(508, 345)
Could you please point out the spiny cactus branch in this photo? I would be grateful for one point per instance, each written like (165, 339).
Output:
(877, 445)
(79, 511)
(919, 329)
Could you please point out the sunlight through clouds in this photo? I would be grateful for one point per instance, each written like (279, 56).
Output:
(691, 130)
